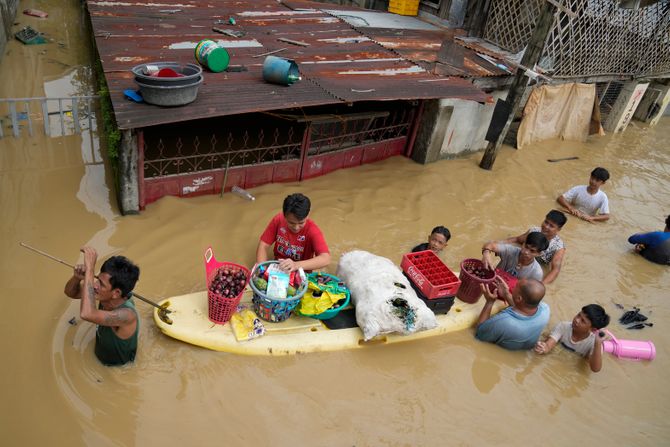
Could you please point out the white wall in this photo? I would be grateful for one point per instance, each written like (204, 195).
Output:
(468, 125)
(624, 106)
(657, 95)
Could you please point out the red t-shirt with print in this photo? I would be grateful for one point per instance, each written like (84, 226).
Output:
(297, 246)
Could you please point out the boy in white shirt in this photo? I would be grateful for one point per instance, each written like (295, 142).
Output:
(588, 202)
(582, 335)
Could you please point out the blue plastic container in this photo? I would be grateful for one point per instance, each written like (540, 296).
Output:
(269, 309)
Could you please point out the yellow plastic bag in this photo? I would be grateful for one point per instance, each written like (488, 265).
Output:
(311, 305)
(246, 325)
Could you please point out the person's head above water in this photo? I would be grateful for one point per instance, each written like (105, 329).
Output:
(537, 240)
(557, 217)
(600, 174)
(438, 238)
(121, 274)
(296, 208)
(528, 292)
(596, 316)
(598, 178)
(553, 223)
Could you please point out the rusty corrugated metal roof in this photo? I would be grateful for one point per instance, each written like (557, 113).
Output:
(422, 47)
(340, 64)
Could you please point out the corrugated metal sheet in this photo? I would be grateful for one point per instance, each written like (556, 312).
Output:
(422, 47)
(481, 46)
(340, 64)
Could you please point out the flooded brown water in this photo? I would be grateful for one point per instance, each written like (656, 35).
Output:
(449, 390)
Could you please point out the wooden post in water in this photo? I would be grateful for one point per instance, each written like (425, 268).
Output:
(530, 57)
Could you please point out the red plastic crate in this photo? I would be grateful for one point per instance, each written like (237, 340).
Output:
(511, 281)
(430, 274)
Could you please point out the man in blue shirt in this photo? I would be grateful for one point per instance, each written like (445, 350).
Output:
(654, 246)
(520, 325)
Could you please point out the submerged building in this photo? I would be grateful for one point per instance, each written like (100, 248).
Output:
(360, 98)
(374, 84)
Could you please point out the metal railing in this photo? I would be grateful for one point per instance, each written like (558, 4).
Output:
(338, 134)
(175, 155)
(168, 152)
(55, 116)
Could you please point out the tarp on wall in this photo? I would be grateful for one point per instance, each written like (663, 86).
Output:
(567, 111)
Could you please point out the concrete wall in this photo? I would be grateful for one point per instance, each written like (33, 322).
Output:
(431, 132)
(467, 127)
(7, 15)
(653, 104)
(129, 192)
(624, 106)
(451, 127)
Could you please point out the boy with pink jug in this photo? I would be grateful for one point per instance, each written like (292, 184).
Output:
(581, 335)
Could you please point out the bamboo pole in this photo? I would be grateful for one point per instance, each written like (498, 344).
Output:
(530, 58)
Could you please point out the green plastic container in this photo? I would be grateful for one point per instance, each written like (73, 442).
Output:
(329, 313)
(210, 55)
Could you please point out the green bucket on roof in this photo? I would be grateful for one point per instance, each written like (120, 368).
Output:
(210, 55)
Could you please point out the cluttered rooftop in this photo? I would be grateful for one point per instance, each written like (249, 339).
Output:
(344, 55)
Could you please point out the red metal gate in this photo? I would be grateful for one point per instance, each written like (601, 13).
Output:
(253, 150)
(350, 140)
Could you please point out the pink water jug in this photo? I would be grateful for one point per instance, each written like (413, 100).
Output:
(630, 349)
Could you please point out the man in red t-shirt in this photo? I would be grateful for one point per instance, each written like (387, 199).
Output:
(298, 241)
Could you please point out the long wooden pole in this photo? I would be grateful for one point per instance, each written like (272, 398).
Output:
(164, 309)
(530, 58)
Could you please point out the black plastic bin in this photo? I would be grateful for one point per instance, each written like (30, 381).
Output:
(437, 305)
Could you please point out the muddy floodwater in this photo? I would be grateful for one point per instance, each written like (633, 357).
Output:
(55, 194)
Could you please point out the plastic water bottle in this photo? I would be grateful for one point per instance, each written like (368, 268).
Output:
(242, 193)
(630, 349)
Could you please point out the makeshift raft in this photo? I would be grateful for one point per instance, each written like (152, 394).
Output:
(298, 334)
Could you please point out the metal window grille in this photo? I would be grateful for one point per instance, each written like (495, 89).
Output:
(602, 39)
(168, 154)
(607, 92)
(245, 141)
(345, 133)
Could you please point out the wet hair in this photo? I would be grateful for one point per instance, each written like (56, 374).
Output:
(600, 174)
(537, 240)
(556, 217)
(123, 274)
(298, 205)
(532, 292)
(444, 231)
(596, 315)
(667, 221)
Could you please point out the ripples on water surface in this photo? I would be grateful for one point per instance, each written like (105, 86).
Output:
(450, 390)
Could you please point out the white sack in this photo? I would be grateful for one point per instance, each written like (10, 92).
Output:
(372, 281)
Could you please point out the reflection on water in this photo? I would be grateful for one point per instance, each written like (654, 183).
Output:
(485, 375)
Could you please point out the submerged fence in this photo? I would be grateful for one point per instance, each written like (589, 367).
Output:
(588, 37)
(52, 116)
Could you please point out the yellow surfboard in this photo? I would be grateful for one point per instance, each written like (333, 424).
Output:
(296, 335)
